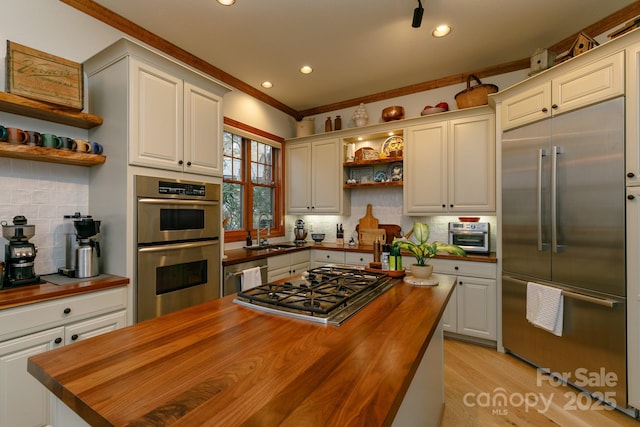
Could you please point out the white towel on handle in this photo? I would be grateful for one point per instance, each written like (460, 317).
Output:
(545, 307)
(251, 277)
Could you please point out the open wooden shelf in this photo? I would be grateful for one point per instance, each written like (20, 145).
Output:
(51, 155)
(374, 184)
(15, 104)
(372, 162)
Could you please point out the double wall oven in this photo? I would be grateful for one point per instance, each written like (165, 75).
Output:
(178, 236)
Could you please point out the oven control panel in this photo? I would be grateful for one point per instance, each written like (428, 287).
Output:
(181, 189)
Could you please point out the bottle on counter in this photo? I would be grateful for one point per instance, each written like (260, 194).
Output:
(395, 259)
(249, 241)
(376, 251)
(384, 259)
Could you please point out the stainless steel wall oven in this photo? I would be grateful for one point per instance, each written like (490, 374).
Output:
(178, 235)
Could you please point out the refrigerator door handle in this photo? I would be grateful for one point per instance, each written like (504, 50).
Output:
(555, 247)
(541, 245)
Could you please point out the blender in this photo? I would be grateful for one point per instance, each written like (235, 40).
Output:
(88, 250)
(19, 253)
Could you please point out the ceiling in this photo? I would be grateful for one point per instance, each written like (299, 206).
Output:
(357, 47)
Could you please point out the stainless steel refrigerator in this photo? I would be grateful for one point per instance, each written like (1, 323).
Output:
(563, 225)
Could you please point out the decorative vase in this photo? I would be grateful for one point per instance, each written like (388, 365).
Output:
(360, 116)
(328, 126)
(421, 271)
(337, 123)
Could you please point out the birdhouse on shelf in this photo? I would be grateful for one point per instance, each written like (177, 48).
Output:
(582, 44)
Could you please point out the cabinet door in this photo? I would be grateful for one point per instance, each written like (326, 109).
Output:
(326, 176)
(23, 400)
(472, 164)
(93, 327)
(476, 307)
(450, 315)
(425, 169)
(526, 107)
(298, 178)
(156, 118)
(633, 295)
(358, 258)
(632, 124)
(601, 80)
(202, 131)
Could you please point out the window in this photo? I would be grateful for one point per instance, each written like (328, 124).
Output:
(252, 185)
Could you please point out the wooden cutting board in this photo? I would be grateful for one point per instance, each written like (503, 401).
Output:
(369, 236)
(392, 230)
(368, 222)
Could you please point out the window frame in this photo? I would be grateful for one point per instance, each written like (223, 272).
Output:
(249, 133)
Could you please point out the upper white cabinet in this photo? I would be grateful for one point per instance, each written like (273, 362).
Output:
(600, 80)
(173, 115)
(450, 165)
(314, 177)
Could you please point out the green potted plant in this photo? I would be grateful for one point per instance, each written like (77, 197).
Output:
(416, 244)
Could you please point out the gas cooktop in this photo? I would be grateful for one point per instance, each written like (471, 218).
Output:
(329, 294)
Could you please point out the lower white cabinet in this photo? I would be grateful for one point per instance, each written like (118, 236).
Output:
(358, 258)
(471, 311)
(322, 257)
(23, 400)
(286, 265)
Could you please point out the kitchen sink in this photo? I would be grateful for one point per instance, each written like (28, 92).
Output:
(271, 248)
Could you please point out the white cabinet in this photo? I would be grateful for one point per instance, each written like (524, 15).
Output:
(35, 328)
(286, 265)
(586, 85)
(632, 124)
(174, 124)
(472, 309)
(358, 258)
(633, 295)
(321, 257)
(450, 166)
(314, 177)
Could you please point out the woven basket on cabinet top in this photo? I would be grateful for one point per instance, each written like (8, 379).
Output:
(474, 96)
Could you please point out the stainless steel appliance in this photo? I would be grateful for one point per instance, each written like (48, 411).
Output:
(70, 244)
(19, 253)
(178, 233)
(87, 256)
(563, 216)
(471, 236)
(300, 233)
(329, 294)
(233, 275)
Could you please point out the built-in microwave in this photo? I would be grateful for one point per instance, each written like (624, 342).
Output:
(471, 236)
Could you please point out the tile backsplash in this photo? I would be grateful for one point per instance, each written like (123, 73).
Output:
(43, 193)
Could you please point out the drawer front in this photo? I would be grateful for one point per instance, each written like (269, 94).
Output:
(357, 258)
(32, 317)
(279, 261)
(465, 268)
(300, 257)
(328, 257)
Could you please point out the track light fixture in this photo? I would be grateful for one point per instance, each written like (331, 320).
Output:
(417, 15)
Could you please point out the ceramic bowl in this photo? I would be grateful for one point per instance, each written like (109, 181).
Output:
(317, 237)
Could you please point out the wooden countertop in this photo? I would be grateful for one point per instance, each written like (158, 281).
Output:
(22, 295)
(219, 363)
(235, 256)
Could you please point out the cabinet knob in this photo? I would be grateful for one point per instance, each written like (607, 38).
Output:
(328, 256)
(180, 162)
(57, 340)
(74, 337)
(451, 205)
(361, 259)
(188, 163)
(554, 106)
(460, 282)
(66, 310)
(631, 197)
(544, 109)
(630, 175)
(455, 268)
(444, 206)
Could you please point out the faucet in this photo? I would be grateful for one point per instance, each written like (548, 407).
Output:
(258, 229)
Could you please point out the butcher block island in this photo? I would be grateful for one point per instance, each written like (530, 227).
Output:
(221, 363)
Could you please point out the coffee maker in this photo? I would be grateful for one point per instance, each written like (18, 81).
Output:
(88, 250)
(300, 233)
(19, 253)
(70, 244)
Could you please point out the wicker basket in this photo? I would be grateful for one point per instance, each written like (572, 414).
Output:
(476, 95)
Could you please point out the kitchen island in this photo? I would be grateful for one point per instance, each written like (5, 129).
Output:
(219, 363)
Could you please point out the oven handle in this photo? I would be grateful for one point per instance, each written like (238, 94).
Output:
(177, 202)
(239, 273)
(177, 246)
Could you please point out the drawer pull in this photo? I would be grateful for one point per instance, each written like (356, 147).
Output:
(455, 268)
(57, 340)
(74, 337)
(66, 310)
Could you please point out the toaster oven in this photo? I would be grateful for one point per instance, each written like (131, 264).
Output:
(471, 236)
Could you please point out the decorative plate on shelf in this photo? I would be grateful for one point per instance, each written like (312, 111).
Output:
(394, 172)
(380, 176)
(393, 143)
(362, 175)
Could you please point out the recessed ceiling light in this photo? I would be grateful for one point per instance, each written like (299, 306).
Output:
(441, 31)
(306, 69)
(226, 2)
(267, 85)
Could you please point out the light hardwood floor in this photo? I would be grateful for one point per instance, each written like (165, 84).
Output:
(476, 375)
